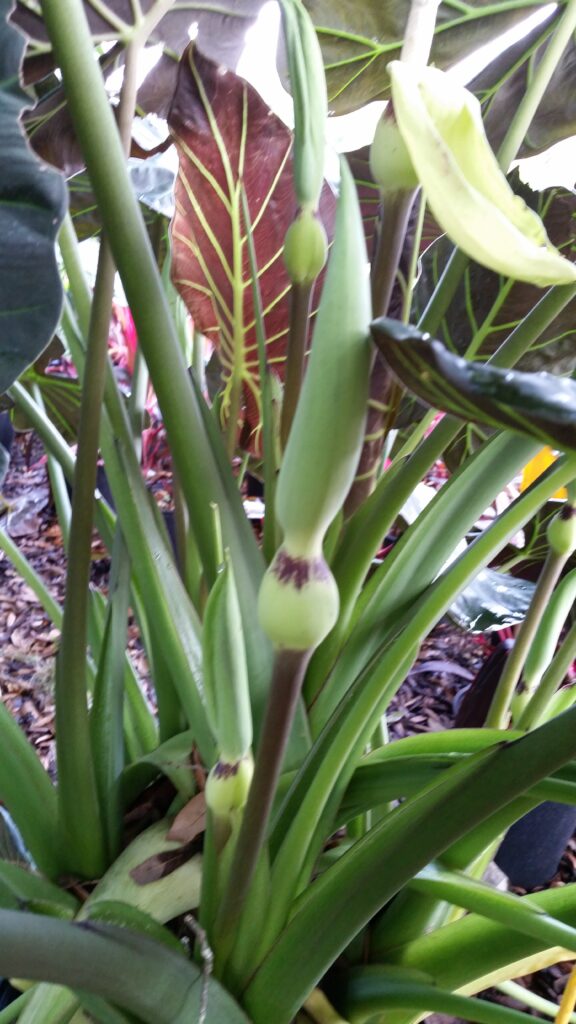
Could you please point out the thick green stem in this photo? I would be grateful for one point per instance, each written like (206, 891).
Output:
(79, 287)
(289, 669)
(389, 247)
(536, 708)
(300, 302)
(499, 713)
(78, 795)
(77, 786)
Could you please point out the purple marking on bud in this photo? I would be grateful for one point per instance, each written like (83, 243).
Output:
(224, 770)
(567, 511)
(299, 571)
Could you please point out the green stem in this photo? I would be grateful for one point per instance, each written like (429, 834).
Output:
(389, 247)
(533, 325)
(538, 83)
(77, 789)
(419, 31)
(300, 303)
(535, 709)
(77, 786)
(499, 712)
(529, 998)
(79, 287)
(289, 669)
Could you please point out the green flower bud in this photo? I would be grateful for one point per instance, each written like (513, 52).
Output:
(561, 532)
(228, 784)
(390, 162)
(298, 601)
(305, 248)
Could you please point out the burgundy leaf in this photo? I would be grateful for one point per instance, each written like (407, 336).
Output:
(228, 139)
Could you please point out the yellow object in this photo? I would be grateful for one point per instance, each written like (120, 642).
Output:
(441, 124)
(545, 458)
(568, 1000)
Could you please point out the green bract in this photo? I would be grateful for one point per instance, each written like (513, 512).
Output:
(308, 87)
(324, 445)
(441, 124)
(225, 671)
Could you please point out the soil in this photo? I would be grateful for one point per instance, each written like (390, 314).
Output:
(447, 663)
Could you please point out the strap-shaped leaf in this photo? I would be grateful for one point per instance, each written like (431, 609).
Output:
(538, 404)
(228, 140)
(32, 204)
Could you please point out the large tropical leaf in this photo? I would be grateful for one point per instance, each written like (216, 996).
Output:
(538, 404)
(229, 140)
(358, 40)
(32, 205)
(487, 307)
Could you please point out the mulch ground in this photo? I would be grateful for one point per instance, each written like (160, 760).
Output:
(448, 661)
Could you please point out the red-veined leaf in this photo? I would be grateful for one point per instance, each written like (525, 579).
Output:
(229, 140)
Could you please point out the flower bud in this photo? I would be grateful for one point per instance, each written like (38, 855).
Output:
(390, 162)
(305, 248)
(298, 601)
(228, 784)
(561, 532)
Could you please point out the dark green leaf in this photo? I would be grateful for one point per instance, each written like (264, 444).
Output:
(359, 39)
(539, 405)
(126, 969)
(32, 205)
(493, 601)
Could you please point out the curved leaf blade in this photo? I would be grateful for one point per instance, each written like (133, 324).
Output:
(32, 206)
(127, 969)
(539, 405)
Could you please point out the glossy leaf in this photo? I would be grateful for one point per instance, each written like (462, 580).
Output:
(129, 970)
(359, 39)
(32, 205)
(493, 601)
(228, 139)
(539, 405)
(487, 307)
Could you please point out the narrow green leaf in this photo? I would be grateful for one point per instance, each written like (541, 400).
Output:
(375, 991)
(510, 910)
(540, 405)
(30, 797)
(348, 894)
(20, 886)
